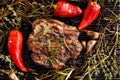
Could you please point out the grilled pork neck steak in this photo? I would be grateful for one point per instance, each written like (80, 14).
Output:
(53, 43)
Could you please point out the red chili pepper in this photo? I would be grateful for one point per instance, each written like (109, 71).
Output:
(90, 14)
(15, 41)
(64, 9)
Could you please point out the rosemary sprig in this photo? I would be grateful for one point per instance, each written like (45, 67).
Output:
(57, 75)
(102, 59)
(103, 62)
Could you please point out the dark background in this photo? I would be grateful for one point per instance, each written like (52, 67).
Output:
(73, 21)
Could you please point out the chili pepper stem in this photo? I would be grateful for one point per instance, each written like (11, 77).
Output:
(55, 6)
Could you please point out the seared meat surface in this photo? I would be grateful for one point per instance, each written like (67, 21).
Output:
(53, 43)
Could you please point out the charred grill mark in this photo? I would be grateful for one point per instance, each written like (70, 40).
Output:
(53, 43)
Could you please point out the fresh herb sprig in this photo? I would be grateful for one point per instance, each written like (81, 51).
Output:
(101, 59)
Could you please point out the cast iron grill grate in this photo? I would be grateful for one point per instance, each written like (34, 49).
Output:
(75, 21)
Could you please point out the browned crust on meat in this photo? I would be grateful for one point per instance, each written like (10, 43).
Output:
(53, 43)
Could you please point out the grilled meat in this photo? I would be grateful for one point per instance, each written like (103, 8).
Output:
(92, 34)
(53, 43)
